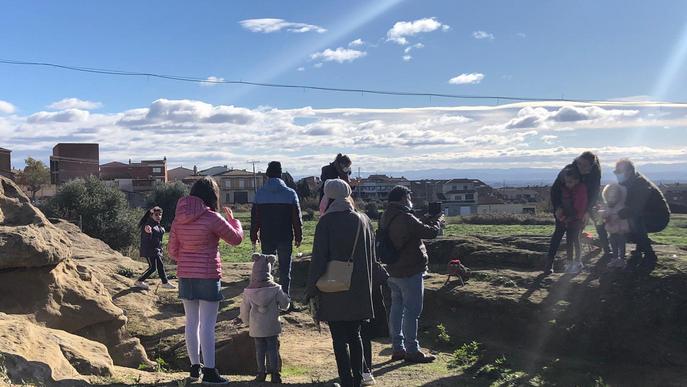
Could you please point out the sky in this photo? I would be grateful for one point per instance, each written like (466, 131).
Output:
(632, 55)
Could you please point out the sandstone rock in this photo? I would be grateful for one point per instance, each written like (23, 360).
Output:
(35, 354)
(27, 238)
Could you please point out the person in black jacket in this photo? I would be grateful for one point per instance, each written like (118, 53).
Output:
(340, 168)
(152, 233)
(646, 210)
(587, 164)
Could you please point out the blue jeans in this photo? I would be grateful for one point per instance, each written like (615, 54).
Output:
(267, 354)
(283, 251)
(406, 306)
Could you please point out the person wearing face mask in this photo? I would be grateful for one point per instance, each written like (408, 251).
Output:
(588, 166)
(645, 209)
(405, 281)
(340, 168)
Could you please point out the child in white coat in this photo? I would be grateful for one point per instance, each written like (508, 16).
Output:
(614, 196)
(262, 301)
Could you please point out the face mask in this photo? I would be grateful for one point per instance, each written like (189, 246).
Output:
(346, 169)
(622, 177)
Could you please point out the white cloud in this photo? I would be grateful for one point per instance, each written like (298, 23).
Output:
(6, 107)
(69, 115)
(339, 55)
(521, 35)
(212, 81)
(301, 68)
(268, 25)
(482, 35)
(318, 65)
(407, 58)
(74, 103)
(549, 139)
(515, 135)
(356, 43)
(465, 79)
(404, 29)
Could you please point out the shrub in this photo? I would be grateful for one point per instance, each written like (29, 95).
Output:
(310, 203)
(442, 336)
(465, 357)
(101, 210)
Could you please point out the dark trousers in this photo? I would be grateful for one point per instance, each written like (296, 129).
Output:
(603, 237)
(572, 238)
(641, 226)
(618, 245)
(348, 350)
(283, 251)
(155, 263)
(366, 334)
(267, 354)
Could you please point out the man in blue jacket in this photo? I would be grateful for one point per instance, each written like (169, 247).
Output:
(276, 221)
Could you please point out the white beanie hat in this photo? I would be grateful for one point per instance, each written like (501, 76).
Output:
(337, 189)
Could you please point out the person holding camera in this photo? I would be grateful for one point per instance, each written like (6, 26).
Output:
(406, 233)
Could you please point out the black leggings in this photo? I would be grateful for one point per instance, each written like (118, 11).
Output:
(346, 337)
(572, 238)
(153, 264)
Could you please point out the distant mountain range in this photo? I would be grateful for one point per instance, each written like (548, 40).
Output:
(665, 173)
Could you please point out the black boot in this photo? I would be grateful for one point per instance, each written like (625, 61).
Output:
(648, 264)
(276, 378)
(211, 376)
(633, 261)
(261, 377)
(195, 371)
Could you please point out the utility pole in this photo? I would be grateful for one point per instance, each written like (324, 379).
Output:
(255, 184)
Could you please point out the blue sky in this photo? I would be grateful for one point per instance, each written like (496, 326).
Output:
(544, 49)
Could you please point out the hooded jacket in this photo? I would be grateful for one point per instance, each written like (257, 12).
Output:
(407, 232)
(592, 182)
(194, 239)
(260, 310)
(613, 223)
(645, 200)
(276, 214)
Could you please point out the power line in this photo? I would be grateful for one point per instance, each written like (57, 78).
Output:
(304, 87)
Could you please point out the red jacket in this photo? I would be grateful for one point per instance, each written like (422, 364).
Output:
(194, 240)
(574, 202)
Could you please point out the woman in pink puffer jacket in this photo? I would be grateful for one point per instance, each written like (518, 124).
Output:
(194, 245)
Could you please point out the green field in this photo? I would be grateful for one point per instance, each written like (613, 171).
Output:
(675, 234)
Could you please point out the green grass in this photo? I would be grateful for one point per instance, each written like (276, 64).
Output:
(674, 234)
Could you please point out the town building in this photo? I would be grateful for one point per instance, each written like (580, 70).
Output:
(377, 187)
(238, 186)
(135, 177)
(179, 173)
(6, 163)
(74, 160)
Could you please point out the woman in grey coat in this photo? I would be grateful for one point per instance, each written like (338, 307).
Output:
(335, 237)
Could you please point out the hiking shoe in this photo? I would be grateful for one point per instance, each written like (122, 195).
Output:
(168, 285)
(195, 371)
(276, 377)
(419, 357)
(548, 269)
(141, 285)
(260, 377)
(211, 376)
(368, 379)
(398, 355)
(616, 263)
(648, 264)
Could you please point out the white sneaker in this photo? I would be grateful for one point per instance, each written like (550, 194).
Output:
(141, 285)
(168, 286)
(368, 379)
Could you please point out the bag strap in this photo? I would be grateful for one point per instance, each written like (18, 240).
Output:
(357, 235)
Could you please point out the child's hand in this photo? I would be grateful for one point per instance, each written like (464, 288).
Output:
(237, 321)
(228, 213)
(148, 229)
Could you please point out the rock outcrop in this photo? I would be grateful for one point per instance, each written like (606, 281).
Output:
(41, 282)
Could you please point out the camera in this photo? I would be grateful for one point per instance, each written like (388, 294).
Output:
(434, 208)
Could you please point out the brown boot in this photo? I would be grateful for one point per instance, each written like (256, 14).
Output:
(398, 355)
(419, 357)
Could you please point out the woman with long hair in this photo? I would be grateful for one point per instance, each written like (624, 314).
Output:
(194, 245)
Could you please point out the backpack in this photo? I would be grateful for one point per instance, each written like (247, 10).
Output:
(457, 269)
(384, 246)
